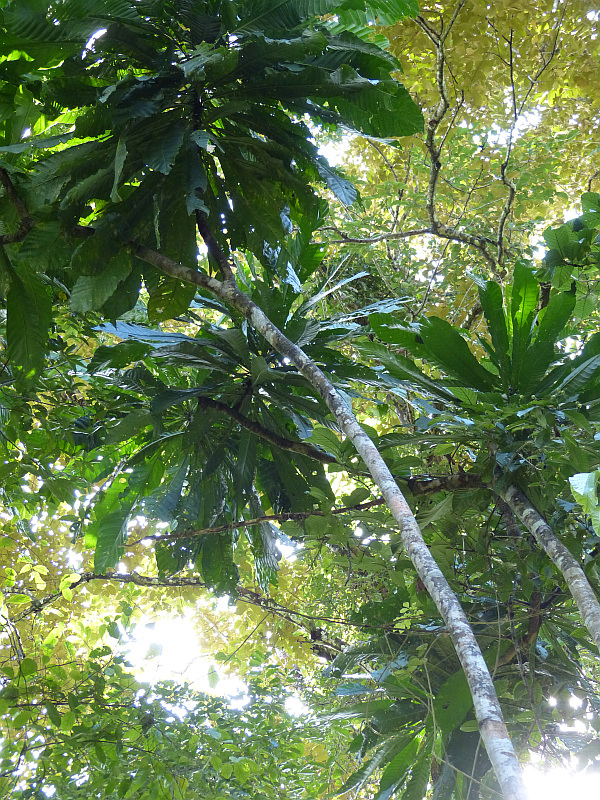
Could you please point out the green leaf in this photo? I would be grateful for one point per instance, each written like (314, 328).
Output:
(120, 156)
(389, 12)
(261, 373)
(452, 703)
(170, 298)
(397, 770)
(394, 746)
(196, 181)
(163, 503)
(584, 487)
(580, 376)
(536, 361)
(216, 564)
(111, 534)
(129, 426)
(28, 667)
(54, 714)
(284, 15)
(416, 788)
(524, 299)
(245, 463)
(448, 349)
(403, 369)
(29, 313)
(429, 515)
(493, 309)
(164, 147)
(342, 188)
(555, 316)
(90, 292)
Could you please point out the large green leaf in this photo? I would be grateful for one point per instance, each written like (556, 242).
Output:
(396, 772)
(523, 305)
(535, 363)
(29, 313)
(448, 349)
(285, 15)
(495, 316)
(395, 747)
(416, 788)
(403, 369)
(554, 317)
(111, 534)
(452, 703)
(216, 563)
(90, 292)
(580, 376)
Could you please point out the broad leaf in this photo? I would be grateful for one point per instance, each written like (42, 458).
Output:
(29, 313)
(448, 349)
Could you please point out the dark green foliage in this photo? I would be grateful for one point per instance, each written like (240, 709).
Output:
(148, 123)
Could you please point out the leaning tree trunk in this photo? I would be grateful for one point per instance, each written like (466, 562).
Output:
(570, 568)
(485, 700)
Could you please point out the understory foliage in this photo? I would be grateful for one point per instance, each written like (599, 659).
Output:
(159, 453)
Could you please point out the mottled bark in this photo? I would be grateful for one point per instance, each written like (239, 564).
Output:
(578, 584)
(487, 707)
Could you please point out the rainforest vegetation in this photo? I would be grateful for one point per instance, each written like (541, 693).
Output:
(300, 361)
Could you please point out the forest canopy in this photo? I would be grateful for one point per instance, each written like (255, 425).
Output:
(301, 357)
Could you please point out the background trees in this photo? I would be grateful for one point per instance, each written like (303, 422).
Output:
(149, 381)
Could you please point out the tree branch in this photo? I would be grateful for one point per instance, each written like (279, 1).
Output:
(487, 707)
(583, 594)
(264, 433)
(516, 113)
(418, 486)
(434, 149)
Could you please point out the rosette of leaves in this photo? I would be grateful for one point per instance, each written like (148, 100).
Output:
(514, 398)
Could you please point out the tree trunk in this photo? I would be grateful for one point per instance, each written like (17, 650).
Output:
(571, 570)
(487, 707)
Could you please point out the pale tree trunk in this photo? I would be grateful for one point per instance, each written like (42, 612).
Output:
(571, 570)
(485, 700)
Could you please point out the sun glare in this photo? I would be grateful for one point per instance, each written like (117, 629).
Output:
(169, 649)
(558, 784)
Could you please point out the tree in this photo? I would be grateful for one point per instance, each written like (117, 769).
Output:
(143, 126)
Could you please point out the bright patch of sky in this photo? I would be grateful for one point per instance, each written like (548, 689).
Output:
(335, 152)
(169, 649)
(556, 784)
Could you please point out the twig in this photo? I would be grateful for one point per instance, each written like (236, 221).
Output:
(434, 148)
(516, 113)
(417, 486)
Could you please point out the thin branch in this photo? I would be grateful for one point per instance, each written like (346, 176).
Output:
(434, 148)
(380, 238)
(418, 486)
(516, 113)
(264, 433)
(592, 179)
(375, 146)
